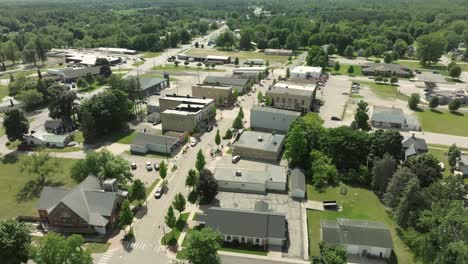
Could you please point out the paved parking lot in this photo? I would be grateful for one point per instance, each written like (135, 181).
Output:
(279, 203)
(334, 101)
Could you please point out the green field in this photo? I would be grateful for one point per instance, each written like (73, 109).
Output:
(3, 91)
(154, 75)
(344, 70)
(242, 55)
(172, 237)
(12, 181)
(444, 122)
(96, 248)
(442, 157)
(183, 68)
(413, 65)
(385, 91)
(358, 203)
(149, 54)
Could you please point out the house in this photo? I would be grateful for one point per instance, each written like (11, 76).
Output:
(297, 187)
(254, 62)
(150, 85)
(279, 52)
(306, 72)
(68, 75)
(9, 102)
(185, 113)
(259, 180)
(386, 70)
(260, 228)
(117, 51)
(393, 118)
(43, 138)
(462, 165)
(91, 207)
(269, 119)
(145, 143)
(59, 127)
(414, 146)
(221, 94)
(447, 96)
(259, 146)
(292, 96)
(239, 84)
(358, 237)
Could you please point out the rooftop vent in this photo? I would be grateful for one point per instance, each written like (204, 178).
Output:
(238, 173)
(274, 143)
(260, 138)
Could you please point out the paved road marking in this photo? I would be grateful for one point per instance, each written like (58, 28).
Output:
(105, 258)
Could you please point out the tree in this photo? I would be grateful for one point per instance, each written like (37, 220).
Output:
(349, 51)
(331, 49)
(207, 186)
(388, 58)
(15, 124)
(267, 100)
(238, 124)
(454, 155)
(396, 185)
(393, 80)
(236, 61)
(351, 69)
(176, 63)
(361, 118)
(138, 191)
(288, 73)
(274, 43)
(292, 42)
(101, 62)
(29, 52)
(414, 101)
(11, 51)
(89, 78)
(170, 219)
(386, 142)
(202, 246)
(426, 167)
(434, 102)
(126, 215)
(39, 164)
(225, 39)
(330, 254)
(105, 71)
(245, 41)
(241, 113)
(179, 202)
(14, 241)
(200, 163)
(400, 47)
(192, 178)
(455, 71)
(454, 105)
(31, 99)
(260, 96)
(55, 248)
(382, 172)
(295, 152)
(81, 83)
(228, 134)
(162, 170)
(337, 66)
(217, 138)
(323, 172)
(367, 52)
(104, 165)
(88, 125)
(317, 57)
(404, 213)
(430, 48)
(62, 102)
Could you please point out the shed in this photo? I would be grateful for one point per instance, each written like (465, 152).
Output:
(298, 184)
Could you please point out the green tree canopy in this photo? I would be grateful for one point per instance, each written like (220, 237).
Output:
(55, 248)
(15, 124)
(14, 241)
(203, 246)
(317, 57)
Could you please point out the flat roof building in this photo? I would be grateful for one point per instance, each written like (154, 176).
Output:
(306, 72)
(271, 119)
(145, 143)
(297, 187)
(221, 94)
(117, 50)
(202, 58)
(386, 69)
(280, 52)
(292, 96)
(259, 146)
(72, 74)
(239, 84)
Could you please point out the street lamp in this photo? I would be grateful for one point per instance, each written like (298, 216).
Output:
(164, 237)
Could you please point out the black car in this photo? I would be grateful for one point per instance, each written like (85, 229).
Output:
(334, 118)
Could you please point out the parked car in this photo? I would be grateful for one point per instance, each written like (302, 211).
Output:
(236, 159)
(159, 192)
(345, 93)
(148, 166)
(210, 128)
(193, 142)
(334, 118)
(156, 166)
(133, 166)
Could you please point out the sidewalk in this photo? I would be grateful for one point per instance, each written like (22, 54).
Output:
(266, 258)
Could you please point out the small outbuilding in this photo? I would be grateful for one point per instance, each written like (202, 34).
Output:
(144, 143)
(298, 184)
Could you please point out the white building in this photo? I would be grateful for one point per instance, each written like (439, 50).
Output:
(117, 50)
(306, 72)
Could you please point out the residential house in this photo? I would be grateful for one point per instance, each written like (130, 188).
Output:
(279, 52)
(148, 143)
(43, 138)
(221, 94)
(414, 146)
(386, 70)
(306, 72)
(447, 96)
(297, 187)
(269, 119)
(393, 118)
(151, 85)
(59, 127)
(259, 146)
(292, 96)
(462, 165)
(264, 178)
(261, 228)
(358, 237)
(91, 207)
(68, 75)
(239, 84)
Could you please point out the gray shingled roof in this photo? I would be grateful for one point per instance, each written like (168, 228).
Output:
(149, 82)
(72, 73)
(388, 115)
(260, 224)
(52, 124)
(413, 146)
(298, 181)
(356, 232)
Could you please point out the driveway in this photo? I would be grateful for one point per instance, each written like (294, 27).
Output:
(278, 203)
(334, 102)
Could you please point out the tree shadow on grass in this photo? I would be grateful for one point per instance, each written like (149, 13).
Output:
(436, 111)
(10, 159)
(457, 113)
(33, 188)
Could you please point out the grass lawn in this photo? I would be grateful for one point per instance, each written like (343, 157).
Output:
(149, 54)
(78, 136)
(138, 63)
(183, 68)
(12, 181)
(123, 136)
(154, 75)
(242, 55)
(2, 131)
(344, 70)
(3, 91)
(385, 91)
(444, 122)
(61, 150)
(172, 237)
(358, 203)
(96, 247)
(12, 145)
(413, 65)
(441, 152)
(244, 251)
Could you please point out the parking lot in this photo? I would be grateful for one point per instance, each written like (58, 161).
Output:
(279, 203)
(334, 101)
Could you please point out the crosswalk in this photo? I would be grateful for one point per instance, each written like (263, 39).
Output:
(105, 258)
(128, 245)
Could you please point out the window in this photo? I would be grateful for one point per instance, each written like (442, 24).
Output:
(229, 238)
(257, 241)
(284, 100)
(242, 239)
(295, 101)
(302, 102)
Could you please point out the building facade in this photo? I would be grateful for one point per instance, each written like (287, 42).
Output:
(306, 72)
(292, 96)
(221, 94)
(271, 119)
(259, 146)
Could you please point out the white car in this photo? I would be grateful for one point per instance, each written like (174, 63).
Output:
(148, 166)
(236, 159)
(193, 142)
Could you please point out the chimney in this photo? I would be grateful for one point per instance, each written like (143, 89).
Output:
(238, 173)
(110, 185)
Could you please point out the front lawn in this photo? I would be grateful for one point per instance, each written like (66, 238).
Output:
(441, 155)
(3, 91)
(172, 237)
(358, 203)
(344, 70)
(414, 65)
(183, 68)
(444, 122)
(12, 181)
(244, 251)
(385, 91)
(96, 248)
(125, 136)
